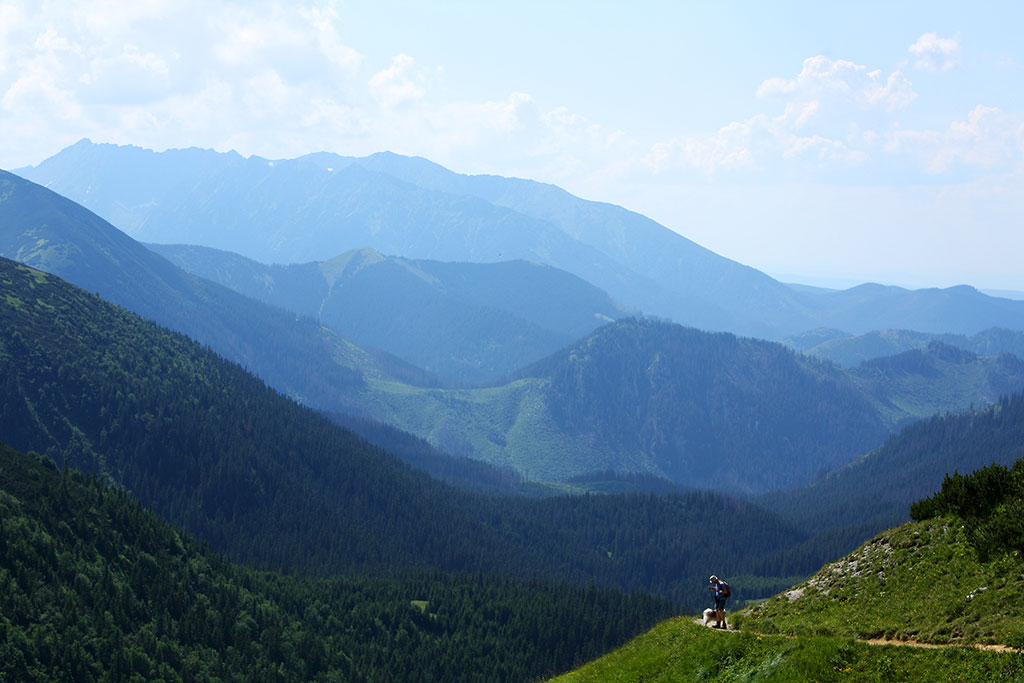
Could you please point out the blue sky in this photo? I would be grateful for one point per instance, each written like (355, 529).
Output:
(828, 142)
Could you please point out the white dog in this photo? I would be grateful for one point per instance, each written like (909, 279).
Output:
(710, 616)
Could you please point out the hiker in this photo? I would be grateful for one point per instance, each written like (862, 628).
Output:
(721, 591)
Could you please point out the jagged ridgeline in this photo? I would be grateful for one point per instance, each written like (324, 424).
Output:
(206, 445)
(94, 587)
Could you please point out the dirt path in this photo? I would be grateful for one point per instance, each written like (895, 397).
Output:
(916, 643)
(883, 641)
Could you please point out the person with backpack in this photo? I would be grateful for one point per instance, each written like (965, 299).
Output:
(721, 591)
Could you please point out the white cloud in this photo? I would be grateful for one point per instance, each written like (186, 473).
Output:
(160, 73)
(397, 84)
(128, 77)
(934, 53)
(988, 139)
(820, 107)
(841, 83)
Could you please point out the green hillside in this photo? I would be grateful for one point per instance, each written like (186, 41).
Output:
(956, 573)
(921, 581)
(94, 587)
(954, 579)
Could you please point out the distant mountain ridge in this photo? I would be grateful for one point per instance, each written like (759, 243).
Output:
(317, 206)
(468, 322)
(852, 350)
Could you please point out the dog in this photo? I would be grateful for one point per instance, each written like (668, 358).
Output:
(711, 618)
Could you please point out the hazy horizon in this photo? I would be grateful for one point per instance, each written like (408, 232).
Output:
(877, 143)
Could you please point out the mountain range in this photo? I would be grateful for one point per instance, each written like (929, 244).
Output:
(318, 206)
(701, 409)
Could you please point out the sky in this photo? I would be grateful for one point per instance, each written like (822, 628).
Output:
(827, 143)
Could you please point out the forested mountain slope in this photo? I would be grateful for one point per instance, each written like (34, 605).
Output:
(711, 410)
(700, 409)
(95, 587)
(467, 322)
(207, 445)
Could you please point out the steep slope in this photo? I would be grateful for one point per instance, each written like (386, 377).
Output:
(469, 323)
(945, 594)
(95, 587)
(207, 445)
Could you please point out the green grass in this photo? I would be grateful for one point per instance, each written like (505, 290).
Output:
(921, 581)
(678, 650)
(505, 426)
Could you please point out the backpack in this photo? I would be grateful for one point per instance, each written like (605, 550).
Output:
(724, 589)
